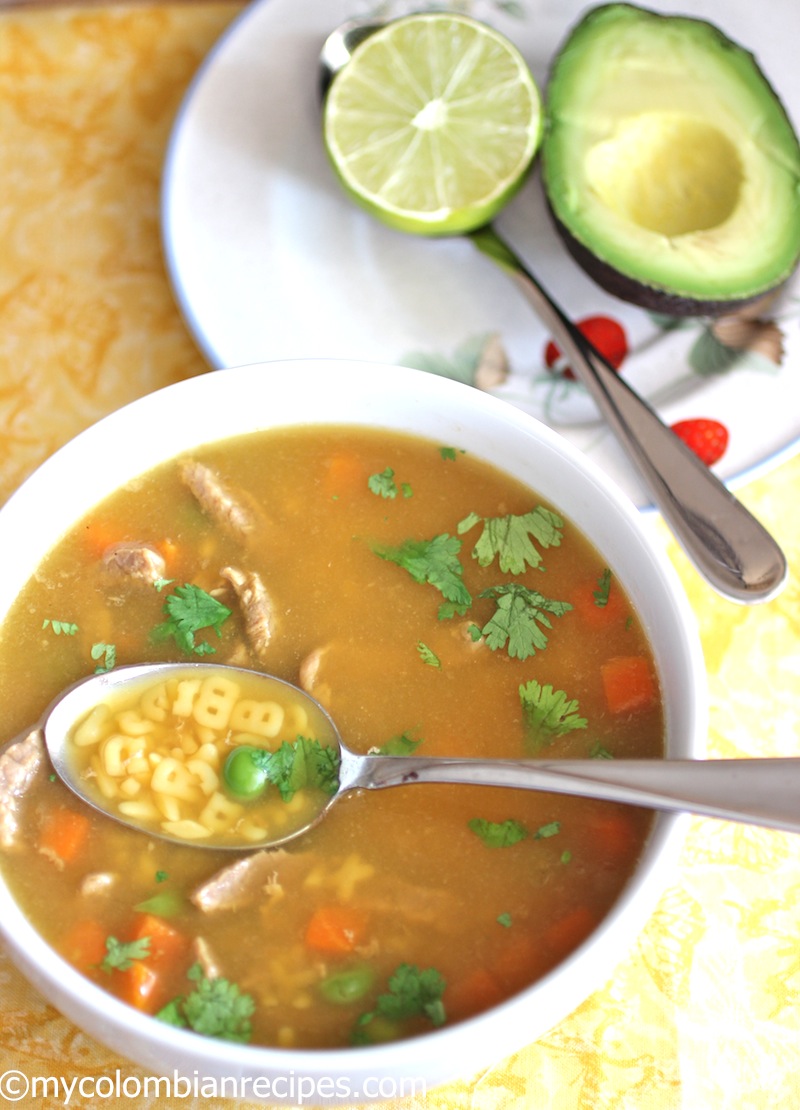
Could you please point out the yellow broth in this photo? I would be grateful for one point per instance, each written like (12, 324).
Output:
(475, 891)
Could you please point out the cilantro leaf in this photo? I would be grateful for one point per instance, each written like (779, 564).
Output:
(299, 764)
(428, 656)
(514, 622)
(433, 561)
(498, 834)
(504, 919)
(190, 610)
(121, 956)
(105, 655)
(600, 595)
(449, 454)
(598, 751)
(60, 628)
(399, 745)
(215, 1008)
(412, 993)
(509, 537)
(547, 714)
(552, 828)
(383, 484)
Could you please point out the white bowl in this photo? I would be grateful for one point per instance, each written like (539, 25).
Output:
(224, 404)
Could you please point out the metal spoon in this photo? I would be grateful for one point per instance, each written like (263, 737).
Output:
(758, 791)
(727, 545)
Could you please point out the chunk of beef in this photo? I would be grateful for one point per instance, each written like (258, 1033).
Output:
(308, 676)
(256, 607)
(138, 561)
(219, 503)
(250, 878)
(19, 765)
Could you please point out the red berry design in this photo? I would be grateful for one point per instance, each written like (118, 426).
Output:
(603, 333)
(707, 438)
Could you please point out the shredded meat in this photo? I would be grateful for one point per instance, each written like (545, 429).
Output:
(256, 606)
(308, 676)
(216, 501)
(204, 954)
(19, 764)
(135, 560)
(250, 878)
(97, 882)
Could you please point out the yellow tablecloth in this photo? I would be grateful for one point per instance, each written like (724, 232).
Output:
(704, 1014)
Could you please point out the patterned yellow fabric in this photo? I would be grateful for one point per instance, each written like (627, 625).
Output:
(704, 1013)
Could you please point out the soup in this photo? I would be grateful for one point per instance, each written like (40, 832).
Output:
(431, 604)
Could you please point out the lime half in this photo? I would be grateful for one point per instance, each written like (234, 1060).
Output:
(433, 123)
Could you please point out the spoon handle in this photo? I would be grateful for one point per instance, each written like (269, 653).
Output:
(729, 547)
(755, 791)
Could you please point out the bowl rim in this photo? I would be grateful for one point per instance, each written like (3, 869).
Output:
(401, 394)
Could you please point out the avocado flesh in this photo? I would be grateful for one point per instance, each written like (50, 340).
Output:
(669, 164)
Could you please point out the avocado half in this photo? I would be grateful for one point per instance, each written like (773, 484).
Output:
(669, 164)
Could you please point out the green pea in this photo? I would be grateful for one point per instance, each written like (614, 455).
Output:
(242, 775)
(347, 986)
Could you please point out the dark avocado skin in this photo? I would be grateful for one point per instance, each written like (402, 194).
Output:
(626, 287)
(646, 296)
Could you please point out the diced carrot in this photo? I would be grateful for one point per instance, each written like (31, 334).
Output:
(628, 683)
(473, 993)
(336, 929)
(84, 944)
(146, 983)
(345, 473)
(63, 834)
(166, 943)
(614, 836)
(141, 986)
(584, 603)
(99, 535)
(566, 933)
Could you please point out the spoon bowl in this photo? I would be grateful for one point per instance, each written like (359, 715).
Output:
(759, 791)
(727, 545)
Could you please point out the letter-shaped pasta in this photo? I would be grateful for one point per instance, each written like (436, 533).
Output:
(213, 705)
(207, 778)
(184, 699)
(219, 813)
(93, 728)
(155, 703)
(186, 829)
(116, 753)
(133, 724)
(172, 778)
(296, 721)
(261, 718)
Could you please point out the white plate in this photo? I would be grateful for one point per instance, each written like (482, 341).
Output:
(269, 260)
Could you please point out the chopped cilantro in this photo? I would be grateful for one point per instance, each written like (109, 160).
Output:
(215, 1008)
(162, 876)
(299, 764)
(504, 919)
(449, 453)
(399, 745)
(120, 956)
(547, 714)
(515, 620)
(566, 857)
(509, 538)
(498, 834)
(412, 992)
(433, 561)
(105, 655)
(407, 490)
(600, 595)
(597, 751)
(383, 484)
(427, 656)
(162, 583)
(552, 828)
(61, 628)
(189, 610)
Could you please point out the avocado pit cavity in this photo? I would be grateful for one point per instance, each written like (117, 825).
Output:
(668, 173)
